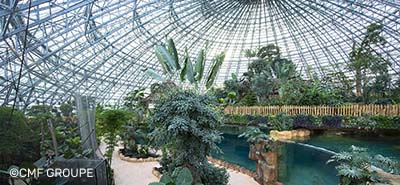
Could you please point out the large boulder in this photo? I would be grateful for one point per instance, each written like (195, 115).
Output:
(289, 134)
(266, 158)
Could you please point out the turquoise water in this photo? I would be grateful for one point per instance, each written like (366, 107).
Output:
(388, 146)
(301, 164)
(236, 151)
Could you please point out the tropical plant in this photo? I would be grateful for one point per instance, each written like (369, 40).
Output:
(262, 86)
(231, 97)
(40, 116)
(41, 113)
(180, 176)
(302, 120)
(363, 122)
(292, 92)
(232, 85)
(137, 103)
(186, 126)
(110, 123)
(268, 72)
(254, 135)
(15, 137)
(136, 100)
(249, 99)
(69, 142)
(332, 121)
(168, 57)
(364, 59)
(356, 167)
(395, 91)
(281, 122)
(66, 109)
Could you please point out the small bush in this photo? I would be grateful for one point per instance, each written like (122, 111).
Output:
(236, 119)
(211, 175)
(396, 122)
(331, 121)
(354, 166)
(302, 120)
(249, 100)
(384, 122)
(281, 122)
(254, 135)
(257, 119)
(186, 127)
(361, 122)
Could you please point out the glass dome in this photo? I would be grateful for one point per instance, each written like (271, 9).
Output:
(51, 50)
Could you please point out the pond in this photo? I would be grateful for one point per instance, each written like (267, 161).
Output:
(305, 163)
(388, 146)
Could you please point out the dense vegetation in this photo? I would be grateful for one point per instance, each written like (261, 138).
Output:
(185, 123)
(110, 123)
(186, 126)
(274, 80)
(283, 121)
(44, 132)
(357, 167)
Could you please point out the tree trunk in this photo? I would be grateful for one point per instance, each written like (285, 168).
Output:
(358, 82)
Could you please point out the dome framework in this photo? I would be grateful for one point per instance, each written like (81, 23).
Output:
(101, 48)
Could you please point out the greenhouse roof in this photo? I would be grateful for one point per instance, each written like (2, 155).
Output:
(102, 47)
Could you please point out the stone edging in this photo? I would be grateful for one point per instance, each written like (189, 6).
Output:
(137, 160)
(233, 167)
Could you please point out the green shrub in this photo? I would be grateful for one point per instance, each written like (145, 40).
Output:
(236, 119)
(331, 121)
(254, 135)
(249, 100)
(281, 122)
(384, 122)
(396, 122)
(14, 137)
(363, 122)
(110, 123)
(317, 121)
(186, 126)
(180, 176)
(302, 120)
(211, 175)
(355, 167)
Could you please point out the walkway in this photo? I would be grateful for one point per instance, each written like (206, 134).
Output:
(127, 173)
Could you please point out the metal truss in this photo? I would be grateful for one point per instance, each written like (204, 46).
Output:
(100, 48)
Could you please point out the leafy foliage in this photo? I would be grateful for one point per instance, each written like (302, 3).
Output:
(15, 136)
(363, 122)
(282, 122)
(180, 176)
(357, 167)
(186, 125)
(110, 123)
(302, 120)
(168, 57)
(254, 135)
(66, 109)
(274, 80)
(232, 85)
(332, 121)
(65, 128)
(365, 60)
